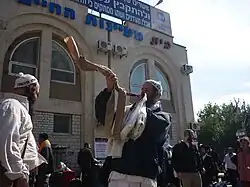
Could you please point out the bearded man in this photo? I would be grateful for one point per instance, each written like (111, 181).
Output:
(19, 153)
(140, 161)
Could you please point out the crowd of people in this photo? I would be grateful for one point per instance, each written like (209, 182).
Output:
(184, 165)
(138, 161)
(200, 166)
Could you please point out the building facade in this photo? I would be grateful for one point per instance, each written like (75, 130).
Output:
(31, 37)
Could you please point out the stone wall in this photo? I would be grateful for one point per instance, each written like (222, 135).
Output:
(43, 122)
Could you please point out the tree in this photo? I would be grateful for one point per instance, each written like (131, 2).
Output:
(219, 123)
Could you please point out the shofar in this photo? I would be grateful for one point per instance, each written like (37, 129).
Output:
(111, 131)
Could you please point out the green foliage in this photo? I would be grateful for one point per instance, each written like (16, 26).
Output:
(219, 123)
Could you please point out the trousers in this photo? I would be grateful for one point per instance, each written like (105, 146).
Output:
(121, 180)
(4, 181)
(191, 179)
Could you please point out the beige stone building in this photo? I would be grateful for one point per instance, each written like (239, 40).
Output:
(31, 38)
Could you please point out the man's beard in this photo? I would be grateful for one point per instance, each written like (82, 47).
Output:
(151, 100)
(31, 98)
(31, 106)
(149, 103)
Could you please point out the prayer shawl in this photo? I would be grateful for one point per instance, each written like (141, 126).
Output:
(132, 127)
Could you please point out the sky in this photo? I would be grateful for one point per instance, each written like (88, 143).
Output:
(217, 36)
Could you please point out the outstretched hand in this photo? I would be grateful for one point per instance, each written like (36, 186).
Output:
(111, 80)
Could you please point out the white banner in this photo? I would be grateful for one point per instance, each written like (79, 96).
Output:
(101, 148)
(160, 21)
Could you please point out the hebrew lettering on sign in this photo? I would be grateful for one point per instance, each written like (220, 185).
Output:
(159, 41)
(126, 10)
(53, 8)
(112, 26)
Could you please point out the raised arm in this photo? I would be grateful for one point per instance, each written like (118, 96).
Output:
(101, 104)
(103, 97)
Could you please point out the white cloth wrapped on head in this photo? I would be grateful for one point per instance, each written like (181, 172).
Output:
(25, 80)
(157, 85)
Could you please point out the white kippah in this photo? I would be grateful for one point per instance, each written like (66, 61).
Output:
(25, 80)
(156, 84)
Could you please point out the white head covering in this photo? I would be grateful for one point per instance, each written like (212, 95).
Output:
(156, 84)
(25, 80)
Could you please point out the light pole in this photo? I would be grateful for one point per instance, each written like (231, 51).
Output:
(159, 2)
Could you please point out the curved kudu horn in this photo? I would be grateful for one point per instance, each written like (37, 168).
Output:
(86, 65)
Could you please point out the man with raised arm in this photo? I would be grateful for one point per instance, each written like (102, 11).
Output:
(141, 158)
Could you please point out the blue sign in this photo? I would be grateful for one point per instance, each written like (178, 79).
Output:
(53, 7)
(112, 26)
(127, 10)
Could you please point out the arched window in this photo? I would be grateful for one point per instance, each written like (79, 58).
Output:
(166, 99)
(138, 76)
(140, 73)
(62, 67)
(24, 57)
(164, 81)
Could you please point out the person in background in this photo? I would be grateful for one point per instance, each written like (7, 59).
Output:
(238, 146)
(171, 176)
(19, 153)
(217, 162)
(214, 155)
(86, 162)
(187, 162)
(141, 159)
(230, 167)
(209, 165)
(244, 162)
(45, 170)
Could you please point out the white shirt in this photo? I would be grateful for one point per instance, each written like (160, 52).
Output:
(15, 127)
(228, 162)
